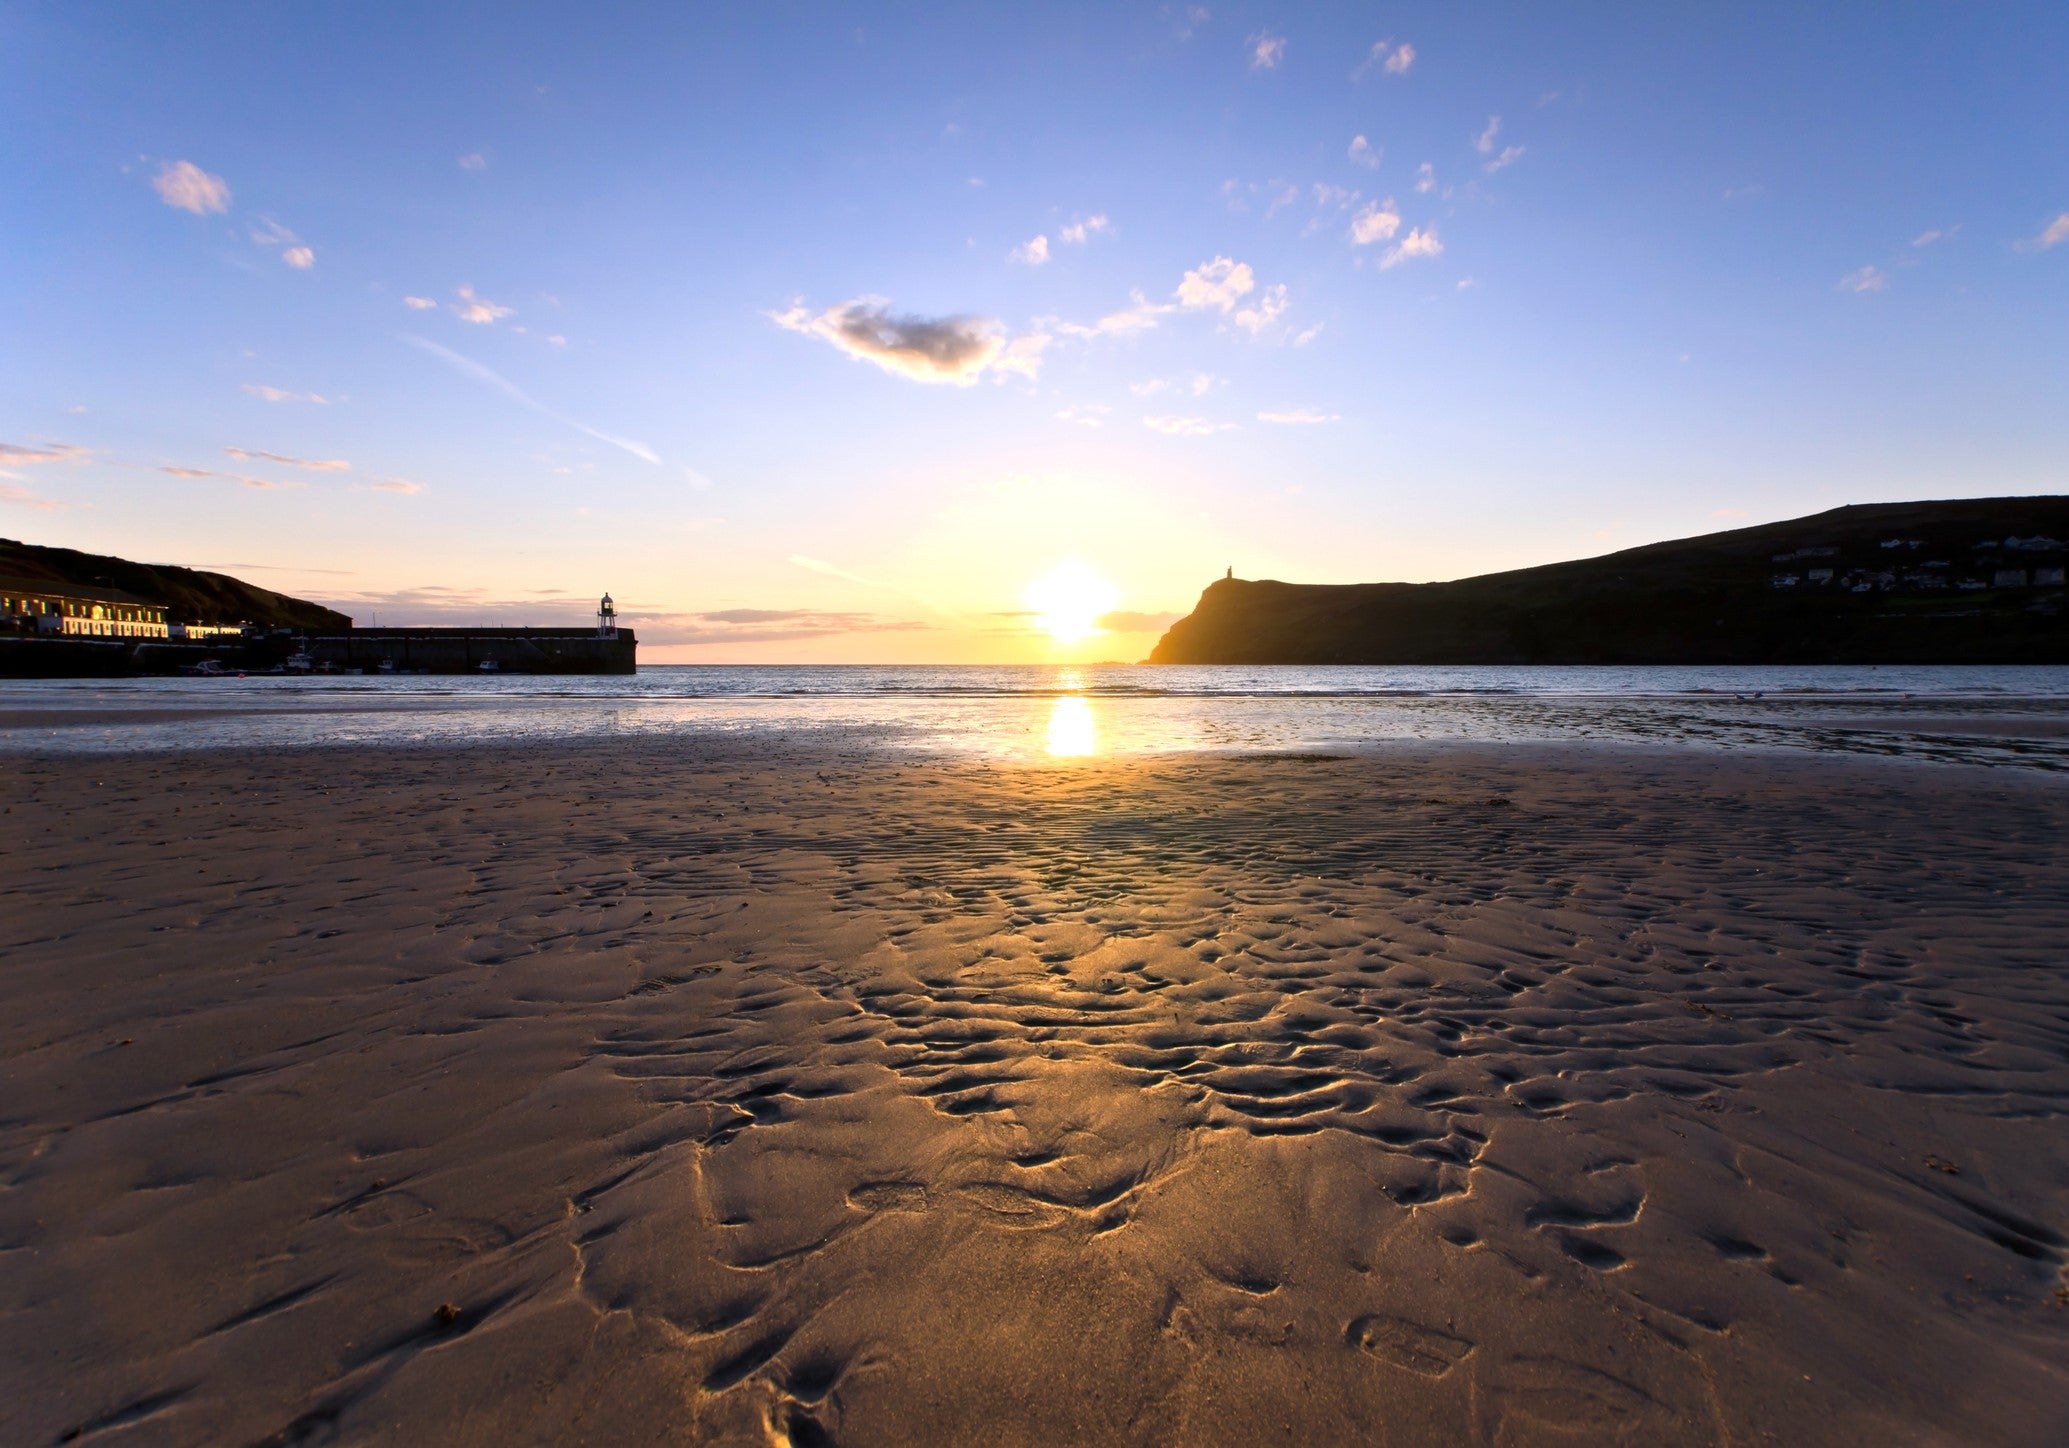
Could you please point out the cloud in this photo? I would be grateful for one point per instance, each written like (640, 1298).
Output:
(1082, 230)
(2053, 234)
(1927, 238)
(1385, 55)
(419, 304)
(1509, 156)
(761, 625)
(1867, 279)
(1298, 417)
(473, 161)
(187, 186)
(1485, 144)
(1309, 335)
(1085, 414)
(1377, 221)
(1266, 50)
(1023, 356)
(263, 485)
(281, 394)
(299, 257)
(22, 498)
(1269, 307)
(331, 465)
(1176, 426)
(1217, 283)
(1425, 178)
(396, 485)
(479, 373)
(1422, 241)
(1128, 621)
(954, 350)
(1363, 152)
(1032, 253)
(1140, 315)
(1189, 18)
(13, 455)
(479, 310)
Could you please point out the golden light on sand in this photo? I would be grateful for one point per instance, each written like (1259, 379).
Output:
(1073, 733)
(1069, 601)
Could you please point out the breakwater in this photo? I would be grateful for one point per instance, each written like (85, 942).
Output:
(477, 650)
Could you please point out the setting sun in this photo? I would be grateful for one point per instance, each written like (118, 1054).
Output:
(1069, 601)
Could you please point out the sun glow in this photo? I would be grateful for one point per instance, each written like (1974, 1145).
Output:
(1073, 733)
(1069, 601)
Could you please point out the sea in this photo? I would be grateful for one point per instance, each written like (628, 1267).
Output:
(2006, 716)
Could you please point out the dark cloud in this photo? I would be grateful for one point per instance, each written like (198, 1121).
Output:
(956, 350)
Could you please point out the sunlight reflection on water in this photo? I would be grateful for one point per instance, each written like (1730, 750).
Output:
(1073, 732)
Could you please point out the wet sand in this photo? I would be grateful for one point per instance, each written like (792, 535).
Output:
(770, 1091)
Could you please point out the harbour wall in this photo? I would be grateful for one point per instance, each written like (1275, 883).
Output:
(466, 650)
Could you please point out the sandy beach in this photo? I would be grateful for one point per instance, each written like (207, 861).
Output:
(774, 1091)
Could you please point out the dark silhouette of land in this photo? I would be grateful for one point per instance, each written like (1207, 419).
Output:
(190, 595)
(1973, 581)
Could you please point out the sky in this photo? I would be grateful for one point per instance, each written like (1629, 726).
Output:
(866, 333)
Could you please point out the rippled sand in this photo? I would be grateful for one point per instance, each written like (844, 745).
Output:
(745, 1091)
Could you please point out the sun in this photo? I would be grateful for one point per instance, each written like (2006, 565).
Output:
(1069, 601)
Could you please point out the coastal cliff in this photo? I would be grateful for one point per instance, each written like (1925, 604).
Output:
(190, 595)
(1970, 581)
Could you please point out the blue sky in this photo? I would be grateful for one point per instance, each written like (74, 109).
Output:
(823, 332)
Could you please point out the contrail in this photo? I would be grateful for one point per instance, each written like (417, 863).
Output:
(517, 394)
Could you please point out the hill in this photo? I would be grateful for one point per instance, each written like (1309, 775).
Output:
(1972, 581)
(190, 595)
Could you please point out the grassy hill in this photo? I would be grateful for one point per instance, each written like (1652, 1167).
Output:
(189, 595)
(1972, 581)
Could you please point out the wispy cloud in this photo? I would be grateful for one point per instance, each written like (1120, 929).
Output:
(762, 625)
(1182, 426)
(1219, 284)
(477, 309)
(1363, 152)
(955, 350)
(1866, 279)
(186, 186)
(1187, 18)
(1032, 253)
(1375, 221)
(396, 485)
(1085, 414)
(1425, 179)
(299, 257)
(267, 232)
(1298, 417)
(281, 394)
(1130, 621)
(1509, 156)
(16, 496)
(1484, 144)
(1267, 51)
(261, 485)
(1386, 56)
(327, 465)
(2053, 234)
(1140, 315)
(1422, 241)
(419, 304)
(15, 455)
(473, 161)
(471, 368)
(1084, 229)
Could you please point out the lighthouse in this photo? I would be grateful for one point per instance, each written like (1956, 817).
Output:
(607, 619)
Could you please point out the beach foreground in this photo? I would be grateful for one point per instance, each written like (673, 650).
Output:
(708, 1091)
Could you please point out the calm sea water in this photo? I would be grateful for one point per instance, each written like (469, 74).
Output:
(1982, 714)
